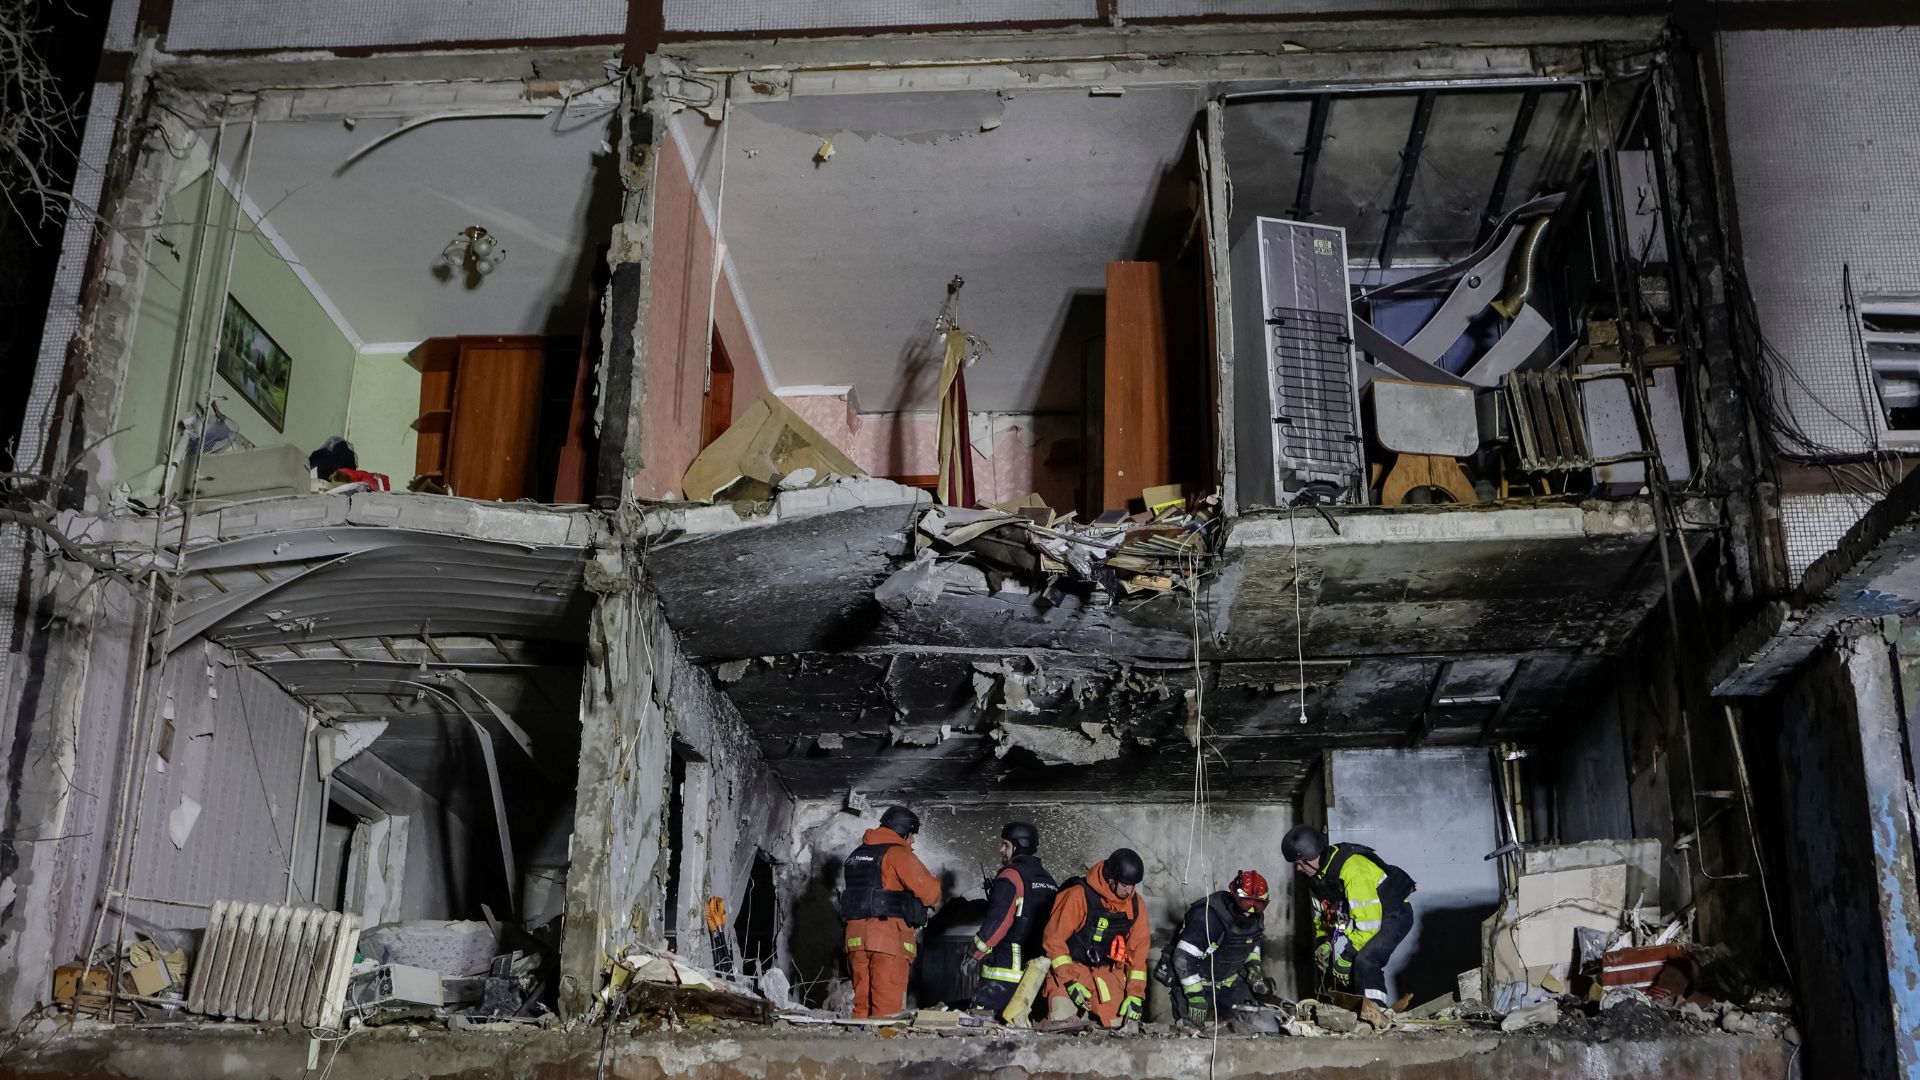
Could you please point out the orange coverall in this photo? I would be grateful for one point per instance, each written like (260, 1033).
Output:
(880, 952)
(1110, 983)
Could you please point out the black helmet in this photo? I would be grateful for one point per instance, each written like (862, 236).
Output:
(900, 820)
(1303, 843)
(1024, 837)
(1125, 868)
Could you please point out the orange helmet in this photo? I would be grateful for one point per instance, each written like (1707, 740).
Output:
(1249, 891)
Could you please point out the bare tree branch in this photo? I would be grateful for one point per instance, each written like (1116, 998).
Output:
(61, 540)
(36, 119)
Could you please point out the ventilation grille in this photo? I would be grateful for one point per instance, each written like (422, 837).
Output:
(274, 963)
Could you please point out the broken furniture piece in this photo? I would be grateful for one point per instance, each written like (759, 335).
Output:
(1501, 278)
(768, 444)
(1428, 428)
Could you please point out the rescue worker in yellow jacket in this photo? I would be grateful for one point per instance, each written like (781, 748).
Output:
(1361, 914)
(1097, 940)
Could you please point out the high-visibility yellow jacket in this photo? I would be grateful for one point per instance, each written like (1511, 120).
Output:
(1350, 885)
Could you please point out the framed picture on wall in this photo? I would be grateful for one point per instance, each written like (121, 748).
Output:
(255, 364)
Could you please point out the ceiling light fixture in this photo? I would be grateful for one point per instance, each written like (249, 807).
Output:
(474, 250)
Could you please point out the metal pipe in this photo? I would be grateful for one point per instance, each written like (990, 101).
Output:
(1509, 160)
(1310, 157)
(1409, 165)
(299, 801)
(1509, 82)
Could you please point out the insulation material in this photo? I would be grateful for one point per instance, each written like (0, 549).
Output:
(199, 25)
(737, 16)
(1822, 128)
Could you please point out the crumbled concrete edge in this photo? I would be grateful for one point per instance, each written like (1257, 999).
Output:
(674, 523)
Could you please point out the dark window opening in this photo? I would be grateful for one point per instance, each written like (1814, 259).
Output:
(753, 928)
(676, 840)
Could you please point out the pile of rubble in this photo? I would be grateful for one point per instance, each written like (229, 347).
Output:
(282, 964)
(1027, 546)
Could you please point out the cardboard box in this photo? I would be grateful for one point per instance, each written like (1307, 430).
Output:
(66, 982)
(151, 978)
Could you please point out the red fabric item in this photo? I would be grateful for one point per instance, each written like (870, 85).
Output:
(374, 481)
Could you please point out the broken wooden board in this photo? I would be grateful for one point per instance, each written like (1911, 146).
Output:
(658, 999)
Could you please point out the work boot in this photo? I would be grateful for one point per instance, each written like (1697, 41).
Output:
(1375, 1017)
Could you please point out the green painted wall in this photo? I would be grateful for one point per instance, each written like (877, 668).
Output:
(386, 402)
(266, 285)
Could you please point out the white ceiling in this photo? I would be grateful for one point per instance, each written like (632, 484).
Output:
(844, 264)
(370, 237)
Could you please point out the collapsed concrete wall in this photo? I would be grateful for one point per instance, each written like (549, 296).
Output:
(1849, 852)
(1186, 858)
(643, 705)
(732, 808)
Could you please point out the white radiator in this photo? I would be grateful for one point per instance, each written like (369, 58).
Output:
(274, 963)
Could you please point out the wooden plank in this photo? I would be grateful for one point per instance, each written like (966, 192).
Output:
(435, 358)
(1136, 436)
(496, 412)
(719, 404)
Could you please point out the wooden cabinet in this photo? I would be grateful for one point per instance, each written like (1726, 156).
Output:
(1149, 389)
(480, 403)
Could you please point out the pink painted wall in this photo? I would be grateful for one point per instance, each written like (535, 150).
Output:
(1013, 453)
(682, 268)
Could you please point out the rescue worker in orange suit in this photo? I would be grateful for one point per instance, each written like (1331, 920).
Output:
(1019, 899)
(1361, 915)
(1096, 941)
(887, 896)
(1216, 962)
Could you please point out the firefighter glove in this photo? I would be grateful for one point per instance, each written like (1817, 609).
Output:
(1130, 1008)
(1323, 955)
(1197, 1004)
(1078, 993)
(971, 965)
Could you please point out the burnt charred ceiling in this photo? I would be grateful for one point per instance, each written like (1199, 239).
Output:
(1476, 630)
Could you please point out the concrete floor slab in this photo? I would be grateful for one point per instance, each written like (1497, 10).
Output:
(396, 1052)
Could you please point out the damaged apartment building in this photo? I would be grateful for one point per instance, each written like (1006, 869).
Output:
(510, 493)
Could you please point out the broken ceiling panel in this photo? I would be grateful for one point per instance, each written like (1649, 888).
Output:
(1434, 626)
(427, 631)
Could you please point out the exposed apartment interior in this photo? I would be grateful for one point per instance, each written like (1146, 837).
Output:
(546, 505)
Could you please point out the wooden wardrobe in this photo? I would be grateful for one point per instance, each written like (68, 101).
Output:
(481, 400)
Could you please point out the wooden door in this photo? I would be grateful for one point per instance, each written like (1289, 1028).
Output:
(719, 411)
(496, 414)
(1136, 438)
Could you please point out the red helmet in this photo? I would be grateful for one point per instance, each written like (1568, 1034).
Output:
(1249, 891)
